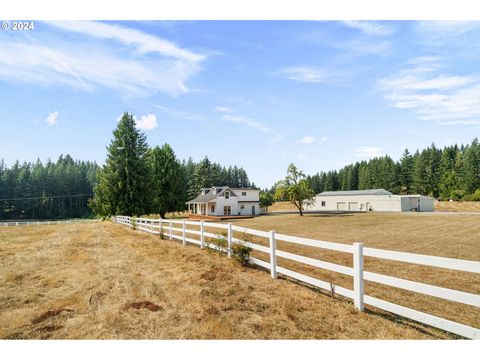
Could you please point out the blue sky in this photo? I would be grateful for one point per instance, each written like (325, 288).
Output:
(257, 94)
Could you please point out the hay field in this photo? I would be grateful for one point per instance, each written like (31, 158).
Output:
(457, 206)
(446, 235)
(104, 281)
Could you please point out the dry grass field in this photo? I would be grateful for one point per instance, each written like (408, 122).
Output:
(457, 206)
(105, 281)
(446, 235)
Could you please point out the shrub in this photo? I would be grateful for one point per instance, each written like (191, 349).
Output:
(472, 197)
(220, 243)
(241, 253)
(457, 194)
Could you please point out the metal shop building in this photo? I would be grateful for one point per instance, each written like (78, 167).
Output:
(369, 200)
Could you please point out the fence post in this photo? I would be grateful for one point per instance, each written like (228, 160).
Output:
(358, 276)
(170, 229)
(183, 233)
(202, 237)
(160, 226)
(229, 239)
(273, 257)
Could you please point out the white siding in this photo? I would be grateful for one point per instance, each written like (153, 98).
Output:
(250, 195)
(372, 202)
(248, 208)
(221, 202)
(249, 198)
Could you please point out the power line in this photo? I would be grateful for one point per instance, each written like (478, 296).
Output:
(46, 197)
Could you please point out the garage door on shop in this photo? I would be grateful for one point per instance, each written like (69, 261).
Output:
(342, 206)
(353, 206)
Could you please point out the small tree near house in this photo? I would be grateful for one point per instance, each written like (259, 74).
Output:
(295, 188)
(266, 200)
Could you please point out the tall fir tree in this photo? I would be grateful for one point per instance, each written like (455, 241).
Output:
(405, 175)
(167, 181)
(124, 182)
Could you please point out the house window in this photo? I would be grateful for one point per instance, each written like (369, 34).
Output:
(213, 208)
(227, 194)
(242, 207)
(244, 193)
(323, 203)
(227, 210)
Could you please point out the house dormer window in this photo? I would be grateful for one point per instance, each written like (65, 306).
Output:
(244, 193)
(214, 191)
(227, 194)
(203, 192)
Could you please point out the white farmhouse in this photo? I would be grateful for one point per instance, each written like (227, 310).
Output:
(369, 200)
(225, 201)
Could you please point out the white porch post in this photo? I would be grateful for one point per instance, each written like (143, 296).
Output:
(206, 208)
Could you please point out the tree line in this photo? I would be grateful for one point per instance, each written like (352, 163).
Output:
(54, 190)
(137, 179)
(449, 173)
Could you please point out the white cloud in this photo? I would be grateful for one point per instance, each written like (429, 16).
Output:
(52, 118)
(307, 140)
(445, 28)
(147, 122)
(411, 82)
(223, 109)
(444, 99)
(324, 139)
(370, 27)
(178, 114)
(145, 43)
(304, 74)
(257, 125)
(93, 61)
(249, 122)
(368, 151)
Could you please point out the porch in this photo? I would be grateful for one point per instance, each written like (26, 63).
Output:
(201, 209)
(218, 217)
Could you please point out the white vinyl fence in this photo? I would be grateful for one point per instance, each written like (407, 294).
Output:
(180, 232)
(44, 222)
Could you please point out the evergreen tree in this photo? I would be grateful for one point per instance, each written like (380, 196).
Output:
(405, 175)
(471, 167)
(167, 188)
(124, 182)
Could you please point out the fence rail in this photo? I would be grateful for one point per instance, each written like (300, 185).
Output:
(44, 222)
(167, 228)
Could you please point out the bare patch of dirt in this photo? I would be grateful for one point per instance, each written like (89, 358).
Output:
(144, 305)
(50, 328)
(212, 311)
(51, 313)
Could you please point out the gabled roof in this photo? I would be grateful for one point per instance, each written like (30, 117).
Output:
(203, 198)
(210, 195)
(356, 192)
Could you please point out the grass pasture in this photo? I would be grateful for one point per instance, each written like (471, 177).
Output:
(445, 235)
(104, 281)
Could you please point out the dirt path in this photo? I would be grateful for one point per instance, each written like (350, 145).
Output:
(103, 281)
